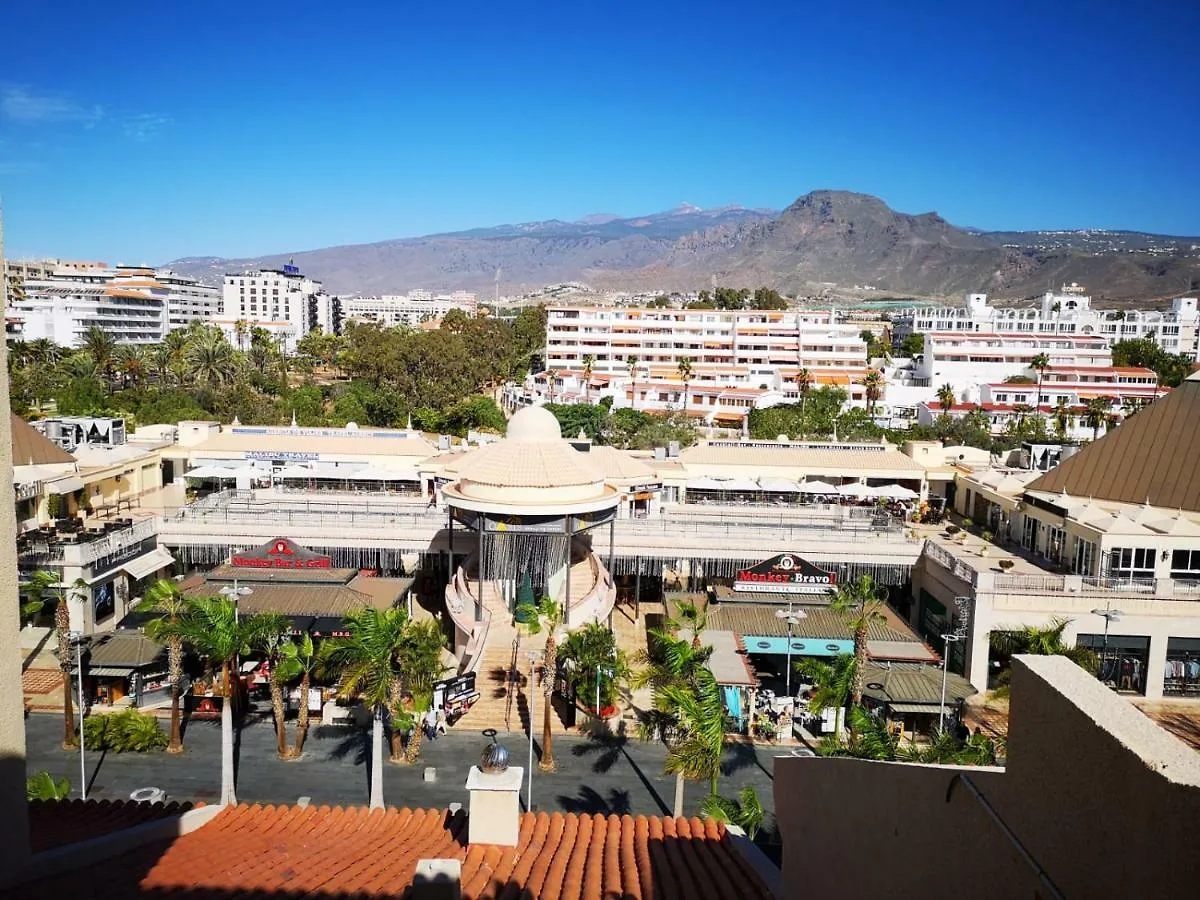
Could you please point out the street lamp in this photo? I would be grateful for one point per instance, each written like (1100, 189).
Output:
(1109, 615)
(947, 640)
(535, 657)
(792, 617)
(77, 638)
(234, 593)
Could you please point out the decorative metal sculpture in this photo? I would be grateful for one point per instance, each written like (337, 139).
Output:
(494, 759)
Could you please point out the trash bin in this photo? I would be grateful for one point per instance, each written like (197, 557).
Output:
(149, 795)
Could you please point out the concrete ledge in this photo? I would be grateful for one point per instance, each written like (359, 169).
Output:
(766, 871)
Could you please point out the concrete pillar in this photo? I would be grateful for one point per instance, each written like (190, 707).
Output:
(1155, 673)
(495, 814)
(977, 655)
(14, 849)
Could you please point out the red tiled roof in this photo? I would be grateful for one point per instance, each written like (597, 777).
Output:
(256, 850)
(53, 823)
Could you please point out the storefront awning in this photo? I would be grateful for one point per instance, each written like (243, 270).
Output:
(104, 671)
(148, 564)
(917, 708)
(67, 485)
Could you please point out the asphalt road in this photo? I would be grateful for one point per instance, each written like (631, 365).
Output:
(619, 775)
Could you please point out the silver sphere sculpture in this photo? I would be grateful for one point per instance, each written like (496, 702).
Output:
(494, 758)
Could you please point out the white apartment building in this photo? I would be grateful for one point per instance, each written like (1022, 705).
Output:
(1068, 312)
(757, 352)
(408, 309)
(188, 300)
(126, 302)
(965, 359)
(283, 301)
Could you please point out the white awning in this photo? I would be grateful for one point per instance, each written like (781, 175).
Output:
(67, 485)
(818, 487)
(148, 564)
(722, 484)
(297, 472)
(778, 485)
(378, 473)
(210, 472)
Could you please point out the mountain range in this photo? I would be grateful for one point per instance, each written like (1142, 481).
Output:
(827, 243)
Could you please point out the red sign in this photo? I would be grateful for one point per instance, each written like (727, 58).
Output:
(786, 573)
(280, 553)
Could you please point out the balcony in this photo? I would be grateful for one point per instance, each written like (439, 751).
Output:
(90, 549)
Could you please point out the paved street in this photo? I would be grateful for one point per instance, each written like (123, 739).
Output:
(617, 776)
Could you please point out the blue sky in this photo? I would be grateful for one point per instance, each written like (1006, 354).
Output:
(139, 132)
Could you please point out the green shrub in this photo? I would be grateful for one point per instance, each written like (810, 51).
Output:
(42, 786)
(128, 731)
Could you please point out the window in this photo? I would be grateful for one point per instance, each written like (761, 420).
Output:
(1085, 557)
(1131, 562)
(1056, 540)
(1185, 564)
(1029, 533)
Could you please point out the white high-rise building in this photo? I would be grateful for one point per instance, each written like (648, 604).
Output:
(287, 304)
(1068, 312)
(188, 300)
(408, 309)
(127, 303)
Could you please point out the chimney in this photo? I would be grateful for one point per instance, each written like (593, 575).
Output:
(495, 789)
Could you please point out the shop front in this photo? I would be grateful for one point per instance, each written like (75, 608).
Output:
(124, 668)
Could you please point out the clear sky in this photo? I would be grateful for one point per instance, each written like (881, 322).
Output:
(142, 131)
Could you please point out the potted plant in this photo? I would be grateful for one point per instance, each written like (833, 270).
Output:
(987, 543)
(968, 524)
(1006, 564)
(952, 530)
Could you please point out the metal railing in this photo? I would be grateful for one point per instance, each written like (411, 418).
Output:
(774, 530)
(1101, 583)
(1030, 584)
(81, 554)
(948, 561)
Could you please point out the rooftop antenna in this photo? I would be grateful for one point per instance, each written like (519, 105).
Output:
(496, 287)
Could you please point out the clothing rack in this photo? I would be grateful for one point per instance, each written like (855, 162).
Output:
(1181, 675)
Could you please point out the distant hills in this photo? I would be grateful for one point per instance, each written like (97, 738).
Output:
(826, 243)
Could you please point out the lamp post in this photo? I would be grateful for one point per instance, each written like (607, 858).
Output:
(947, 640)
(235, 593)
(535, 657)
(792, 617)
(1109, 615)
(76, 638)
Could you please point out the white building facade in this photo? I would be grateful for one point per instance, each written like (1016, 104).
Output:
(408, 309)
(284, 302)
(188, 300)
(127, 304)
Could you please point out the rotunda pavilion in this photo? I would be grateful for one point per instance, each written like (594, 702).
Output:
(528, 504)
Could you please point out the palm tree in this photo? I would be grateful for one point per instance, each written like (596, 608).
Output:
(696, 713)
(42, 583)
(99, 345)
(589, 363)
(44, 352)
(214, 631)
(130, 361)
(685, 375)
(668, 666)
(274, 641)
(861, 602)
(368, 666)
(176, 344)
(1039, 364)
(546, 614)
(1095, 414)
(168, 604)
(593, 651)
(631, 360)
(746, 811)
(298, 660)
(241, 328)
(693, 616)
(873, 382)
(160, 356)
(945, 397)
(1062, 419)
(421, 666)
(833, 684)
(1047, 641)
(804, 383)
(211, 360)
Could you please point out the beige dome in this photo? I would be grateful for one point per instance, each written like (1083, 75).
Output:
(534, 424)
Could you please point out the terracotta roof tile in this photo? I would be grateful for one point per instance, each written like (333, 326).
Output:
(55, 823)
(252, 850)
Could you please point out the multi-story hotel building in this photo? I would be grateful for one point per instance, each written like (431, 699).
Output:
(285, 303)
(1069, 312)
(965, 359)
(408, 309)
(757, 354)
(188, 300)
(128, 303)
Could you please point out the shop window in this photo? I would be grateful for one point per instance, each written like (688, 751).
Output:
(1185, 564)
(1123, 658)
(1056, 543)
(1182, 674)
(1131, 562)
(1029, 533)
(1085, 557)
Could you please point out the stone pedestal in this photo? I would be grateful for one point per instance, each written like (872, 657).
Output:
(495, 812)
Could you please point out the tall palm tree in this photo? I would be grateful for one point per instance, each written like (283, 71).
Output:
(1095, 414)
(668, 666)
(214, 631)
(177, 343)
(1062, 419)
(1039, 364)
(589, 363)
(40, 590)
(130, 363)
(160, 357)
(685, 375)
(273, 641)
(833, 683)
(804, 383)
(861, 602)
(694, 617)
(632, 361)
(210, 360)
(420, 667)
(241, 328)
(298, 660)
(547, 614)
(873, 383)
(99, 345)
(368, 667)
(169, 605)
(697, 716)
(945, 397)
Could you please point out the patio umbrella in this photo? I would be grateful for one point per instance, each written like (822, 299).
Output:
(210, 472)
(778, 485)
(896, 492)
(817, 487)
(855, 489)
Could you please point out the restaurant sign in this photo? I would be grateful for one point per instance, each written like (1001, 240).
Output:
(280, 553)
(785, 574)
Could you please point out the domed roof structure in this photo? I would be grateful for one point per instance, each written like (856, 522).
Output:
(532, 466)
